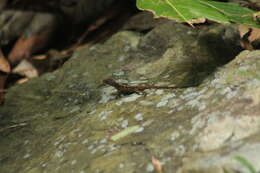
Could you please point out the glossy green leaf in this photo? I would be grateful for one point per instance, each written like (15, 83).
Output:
(188, 10)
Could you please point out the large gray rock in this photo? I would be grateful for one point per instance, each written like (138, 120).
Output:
(73, 123)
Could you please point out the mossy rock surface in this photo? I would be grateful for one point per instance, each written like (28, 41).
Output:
(73, 123)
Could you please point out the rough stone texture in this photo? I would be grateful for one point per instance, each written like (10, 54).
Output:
(75, 124)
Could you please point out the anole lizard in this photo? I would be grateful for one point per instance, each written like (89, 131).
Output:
(125, 89)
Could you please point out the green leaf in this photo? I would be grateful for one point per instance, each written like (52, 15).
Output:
(188, 10)
(246, 164)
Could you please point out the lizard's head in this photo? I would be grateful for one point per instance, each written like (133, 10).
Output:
(109, 81)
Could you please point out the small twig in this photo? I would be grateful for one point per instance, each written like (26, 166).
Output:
(13, 127)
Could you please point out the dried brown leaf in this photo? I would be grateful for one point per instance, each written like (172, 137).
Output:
(25, 68)
(198, 20)
(24, 47)
(255, 34)
(248, 36)
(23, 80)
(157, 165)
(4, 64)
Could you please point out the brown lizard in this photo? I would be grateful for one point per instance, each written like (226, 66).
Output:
(124, 89)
